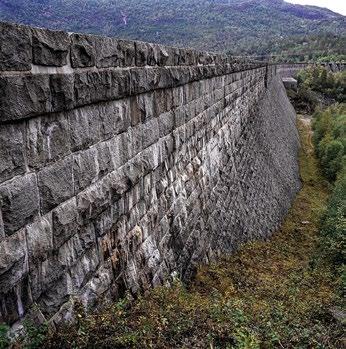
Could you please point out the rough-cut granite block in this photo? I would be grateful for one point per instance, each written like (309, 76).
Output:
(62, 91)
(47, 139)
(66, 222)
(19, 202)
(55, 184)
(11, 151)
(15, 47)
(24, 96)
(13, 264)
(83, 51)
(39, 238)
(49, 47)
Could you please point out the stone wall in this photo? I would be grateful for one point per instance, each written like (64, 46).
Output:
(123, 162)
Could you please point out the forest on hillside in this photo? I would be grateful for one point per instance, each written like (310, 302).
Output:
(246, 27)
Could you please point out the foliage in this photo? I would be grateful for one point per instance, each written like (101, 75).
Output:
(330, 142)
(4, 339)
(238, 26)
(334, 224)
(330, 139)
(269, 294)
(318, 79)
(318, 88)
(321, 48)
(35, 335)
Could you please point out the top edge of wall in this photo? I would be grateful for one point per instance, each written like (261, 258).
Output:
(23, 47)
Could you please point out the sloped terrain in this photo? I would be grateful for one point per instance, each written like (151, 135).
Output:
(247, 26)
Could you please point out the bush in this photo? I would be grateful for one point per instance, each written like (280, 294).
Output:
(4, 339)
(330, 142)
(319, 79)
(334, 224)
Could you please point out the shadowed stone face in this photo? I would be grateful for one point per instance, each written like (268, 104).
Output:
(123, 162)
(15, 47)
(50, 48)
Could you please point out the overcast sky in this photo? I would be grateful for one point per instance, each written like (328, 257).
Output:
(334, 5)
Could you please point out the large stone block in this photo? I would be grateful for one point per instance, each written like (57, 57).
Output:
(24, 96)
(62, 91)
(82, 51)
(11, 151)
(93, 86)
(104, 159)
(13, 260)
(19, 202)
(49, 47)
(66, 222)
(15, 47)
(85, 169)
(149, 132)
(128, 55)
(39, 239)
(108, 54)
(48, 139)
(119, 150)
(56, 184)
(15, 302)
(84, 127)
(114, 118)
(98, 86)
(95, 199)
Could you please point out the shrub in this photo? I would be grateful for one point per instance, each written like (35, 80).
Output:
(334, 223)
(4, 338)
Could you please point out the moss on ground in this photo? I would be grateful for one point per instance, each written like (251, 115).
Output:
(270, 294)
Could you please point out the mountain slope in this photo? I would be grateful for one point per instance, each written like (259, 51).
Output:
(237, 26)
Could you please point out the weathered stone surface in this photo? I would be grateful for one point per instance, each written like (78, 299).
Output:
(149, 160)
(115, 117)
(24, 96)
(85, 169)
(19, 202)
(50, 47)
(11, 151)
(13, 260)
(108, 54)
(82, 51)
(55, 184)
(119, 150)
(39, 238)
(15, 47)
(84, 127)
(94, 200)
(66, 222)
(62, 91)
(15, 302)
(47, 139)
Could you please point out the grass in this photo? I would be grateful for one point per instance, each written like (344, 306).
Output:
(270, 294)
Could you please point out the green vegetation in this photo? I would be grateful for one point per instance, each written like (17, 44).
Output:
(318, 88)
(329, 84)
(251, 27)
(4, 338)
(269, 294)
(330, 141)
(309, 48)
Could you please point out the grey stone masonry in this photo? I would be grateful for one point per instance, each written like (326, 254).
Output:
(122, 162)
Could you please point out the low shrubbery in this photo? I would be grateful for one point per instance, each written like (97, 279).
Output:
(318, 87)
(329, 84)
(330, 143)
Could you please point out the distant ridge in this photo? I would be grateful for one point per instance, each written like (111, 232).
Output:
(247, 26)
